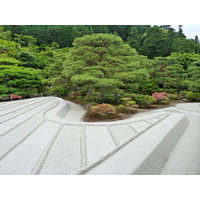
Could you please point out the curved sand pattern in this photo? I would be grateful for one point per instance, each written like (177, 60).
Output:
(46, 135)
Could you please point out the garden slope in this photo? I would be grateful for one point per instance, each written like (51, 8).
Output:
(46, 135)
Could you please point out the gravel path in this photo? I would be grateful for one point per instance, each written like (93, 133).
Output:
(46, 135)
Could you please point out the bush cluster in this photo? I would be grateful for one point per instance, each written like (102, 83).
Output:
(143, 100)
(160, 96)
(127, 101)
(193, 96)
(175, 96)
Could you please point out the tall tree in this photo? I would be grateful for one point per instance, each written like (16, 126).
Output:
(156, 43)
(160, 72)
(194, 76)
(97, 61)
(180, 33)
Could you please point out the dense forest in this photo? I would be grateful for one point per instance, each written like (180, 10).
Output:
(99, 63)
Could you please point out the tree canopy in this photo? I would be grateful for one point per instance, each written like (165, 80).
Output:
(100, 62)
(103, 61)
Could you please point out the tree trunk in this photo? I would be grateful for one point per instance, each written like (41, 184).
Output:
(164, 86)
(90, 92)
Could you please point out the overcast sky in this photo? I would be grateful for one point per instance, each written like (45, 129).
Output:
(189, 30)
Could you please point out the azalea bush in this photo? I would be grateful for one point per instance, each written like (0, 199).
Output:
(103, 110)
(13, 96)
(160, 96)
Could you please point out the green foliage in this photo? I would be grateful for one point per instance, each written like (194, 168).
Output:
(103, 67)
(194, 76)
(107, 98)
(128, 101)
(9, 61)
(27, 58)
(125, 109)
(103, 62)
(156, 43)
(143, 100)
(175, 96)
(185, 59)
(19, 80)
(193, 96)
(183, 45)
(149, 87)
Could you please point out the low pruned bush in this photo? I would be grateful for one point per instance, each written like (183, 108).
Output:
(174, 96)
(193, 96)
(160, 96)
(144, 100)
(103, 110)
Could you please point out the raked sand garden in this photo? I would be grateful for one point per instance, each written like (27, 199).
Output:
(47, 135)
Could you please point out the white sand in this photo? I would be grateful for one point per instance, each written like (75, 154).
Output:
(46, 135)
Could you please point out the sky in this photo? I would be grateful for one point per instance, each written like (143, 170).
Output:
(189, 30)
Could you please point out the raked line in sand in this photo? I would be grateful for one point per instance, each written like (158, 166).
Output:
(46, 135)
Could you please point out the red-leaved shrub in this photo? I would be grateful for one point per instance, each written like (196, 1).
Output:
(13, 96)
(103, 110)
(160, 96)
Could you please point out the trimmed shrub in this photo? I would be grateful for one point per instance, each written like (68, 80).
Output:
(143, 100)
(103, 110)
(193, 96)
(184, 93)
(125, 109)
(90, 99)
(128, 101)
(108, 98)
(160, 96)
(174, 96)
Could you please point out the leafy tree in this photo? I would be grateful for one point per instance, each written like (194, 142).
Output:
(182, 45)
(196, 39)
(149, 87)
(194, 76)
(19, 80)
(161, 73)
(25, 40)
(180, 33)
(99, 61)
(9, 61)
(7, 46)
(176, 78)
(185, 59)
(156, 43)
(134, 38)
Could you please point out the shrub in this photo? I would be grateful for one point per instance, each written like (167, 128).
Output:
(160, 96)
(90, 99)
(125, 109)
(149, 87)
(13, 96)
(175, 96)
(103, 110)
(128, 101)
(143, 100)
(193, 96)
(108, 98)
(184, 93)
